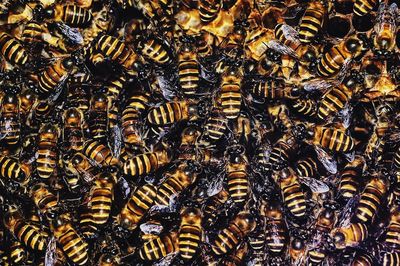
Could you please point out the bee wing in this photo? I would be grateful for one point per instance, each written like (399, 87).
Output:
(116, 144)
(215, 186)
(315, 185)
(151, 228)
(280, 48)
(318, 84)
(350, 156)
(290, 33)
(344, 69)
(345, 215)
(126, 189)
(345, 115)
(71, 34)
(59, 89)
(51, 255)
(326, 159)
(87, 176)
(167, 260)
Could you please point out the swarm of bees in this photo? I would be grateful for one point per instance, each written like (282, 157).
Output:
(199, 132)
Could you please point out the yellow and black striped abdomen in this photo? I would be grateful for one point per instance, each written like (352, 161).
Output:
(228, 239)
(159, 247)
(51, 77)
(189, 241)
(167, 113)
(238, 186)
(316, 256)
(335, 140)
(312, 21)
(189, 73)
(331, 62)
(275, 237)
(87, 224)
(208, 10)
(29, 236)
(392, 236)
(363, 7)
(141, 164)
(231, 100)
(98, 121)
(391, 258)
(100, 205)
(10, 169)
(32, 33)
(306, 107)
(113, 48)
(12, 50)
(349, 183)
(154, 50)
(369, 203)
(18, 254)
(74, 247)
(333, 101)
(99, 153)
(47, 159)
(280, 153)
(294, 199)
(307, 167)
(74, 15)
(10, 127)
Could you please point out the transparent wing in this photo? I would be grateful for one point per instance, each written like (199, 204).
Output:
(59, 89)
(51, 255)
(345, 215)
(318, 84)
(280, 48)
(151, 228)
(116, 136)
(345, 115)
(215, 186)
(126, 189)
(167, 260)
(71, 34)
(315, 185)
(326, 159)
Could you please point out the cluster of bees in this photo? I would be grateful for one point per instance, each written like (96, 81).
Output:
(199, 132)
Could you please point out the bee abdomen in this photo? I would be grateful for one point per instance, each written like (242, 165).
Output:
(189, 241)
(238, 186)
(76, 16)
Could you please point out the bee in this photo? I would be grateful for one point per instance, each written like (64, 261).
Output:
(273, 89)
(362, 7)
(78, 95)
(349, 236)
(12, 50)
(350, 178)
(282, 151)
(334, 139)
(188, 71)
(117, 51)
(305, 107)
(236, 257)
(297, 251)
(339, 55)
(28, 100)
(131, 114)
(230, 94)
(155, 50)
(99, 153)
(335, 99)
(312, 21)
(391, 239)
(98, 114)
(159, 247)
(81, 166)
(231, 236)
(276, 237)
(384, 39)
(137, 206)
(70, 241)
(175, 182)
(173, 112)
(25, 232)
(53, 77)
(307, 167)
(73, 137)
(190, 232)
(101, 197)
(44, 199)
(47, 154)
(390, 258)
(208, 10)
(371, 200)
(18, 254)
(214, 128)
(237, 174)
(292, 194)
(72, 15)
(10, 121)
(147, 162)
(212, 206)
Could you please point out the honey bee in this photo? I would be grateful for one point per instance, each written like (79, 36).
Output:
(230, 94)
(188, 70)
(26, 233)
(172, 112)
(73, 137)
(237, 174)
(334, 139)
(312, 21)
(390, 238)
(212, 206)
(385, 28)
(231, 236)
(236, 257)
(98, 114)
(282, 151)
(371, 200)
(70, 241)
(18, 254)
(10, 121)
(137, 206)
(339, 55)
(155, 50)
(12, 50)
(215, 127)
(78, 95)
(47, 154)
(276, 229)
(190, 232)
(292, 194)
(44, 199)
(81, 166)
(350, 178)
(307, 167)
(349, 236)
(362, 7)
(159, 247)
(297, 251)
(99, 153)
(71, 15)
(273, 89)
